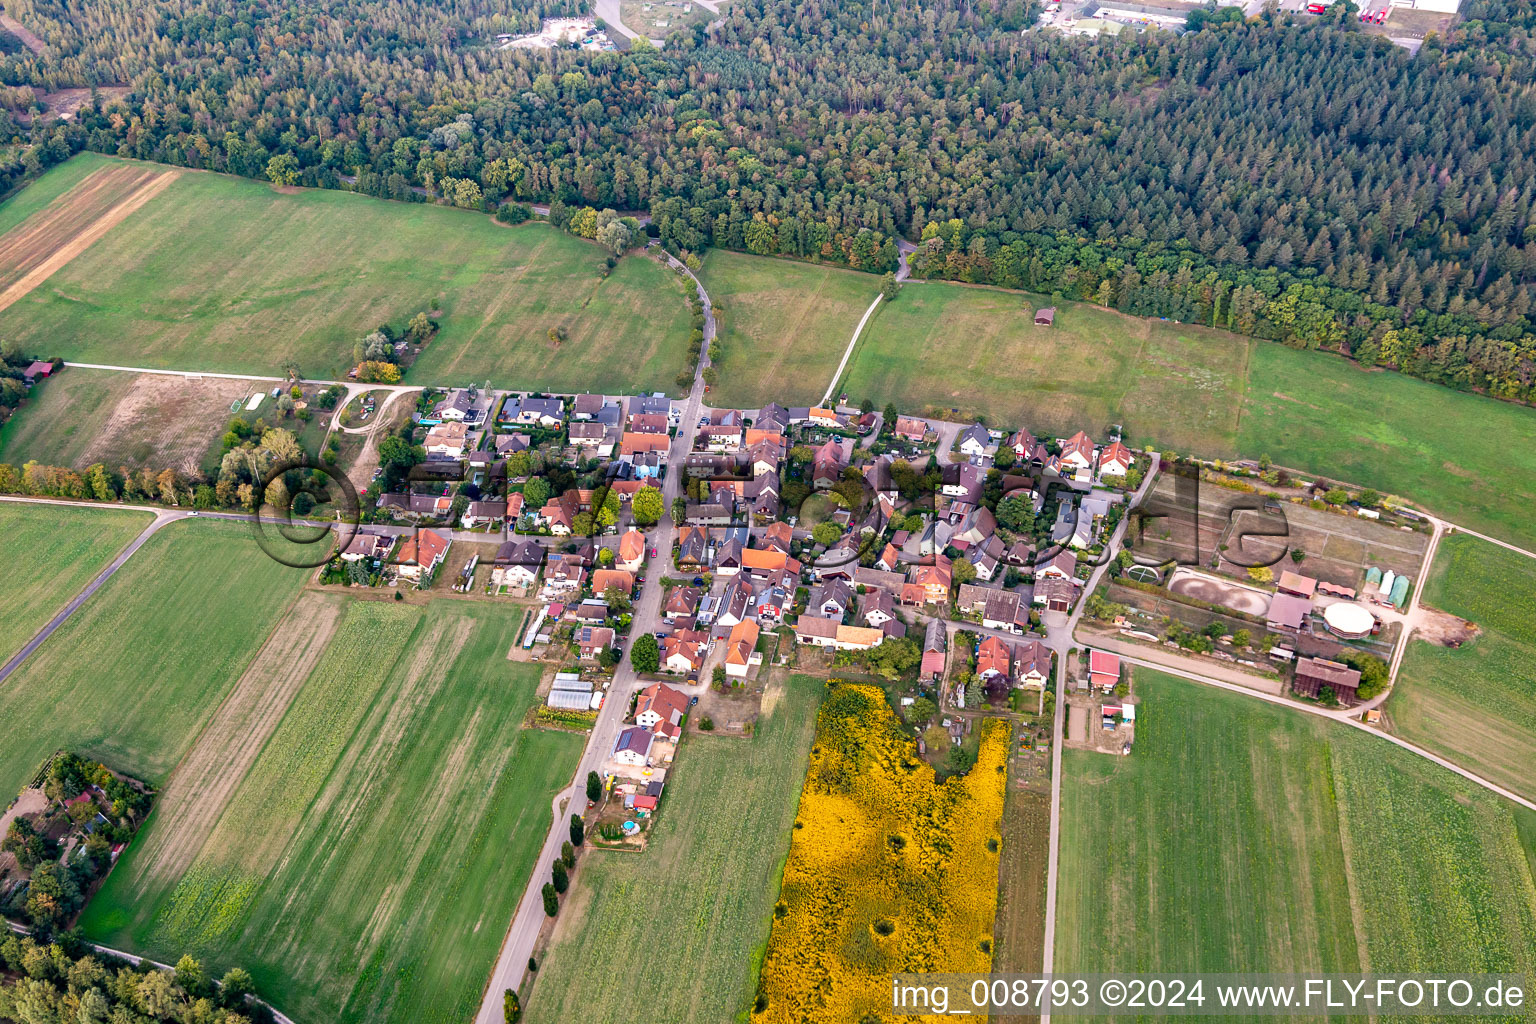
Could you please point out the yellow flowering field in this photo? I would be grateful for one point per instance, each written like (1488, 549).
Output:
(888, 871)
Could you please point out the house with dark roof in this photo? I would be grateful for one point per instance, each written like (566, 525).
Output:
(973, 441)
(633, 746)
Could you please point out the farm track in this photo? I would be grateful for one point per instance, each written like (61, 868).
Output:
(202, 785)
(84, 239)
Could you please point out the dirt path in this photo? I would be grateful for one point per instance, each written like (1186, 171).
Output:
(85, 239)
(203, 783)
(16, 29)
(29, 802)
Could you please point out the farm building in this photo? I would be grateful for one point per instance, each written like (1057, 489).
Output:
(1312, 674)
(1103, 669)
(1288, 613)
(1348, 620)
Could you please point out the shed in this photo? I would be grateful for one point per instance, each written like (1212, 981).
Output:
(1373, 575)
(1400, 591)
(1045, 316)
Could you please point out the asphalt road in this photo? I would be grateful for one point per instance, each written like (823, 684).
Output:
(522, 937)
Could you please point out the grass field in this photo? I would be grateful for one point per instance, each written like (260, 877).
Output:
(1241, 836)
(963, 352)
(685, 922)
(1476, 705)
(364, 864)
(60, 550)
(274, 277)
(1387, 431)
(81, 417)
(784, 326)
(133, 675)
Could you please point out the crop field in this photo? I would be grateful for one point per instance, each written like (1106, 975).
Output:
(134, 675)
(1020, 930)
(60, 549)
(1242, 836)
(1476, 705)
(962, 352)
(685, 922)
(364, 863)
(783, 326)
(277, 277)
(138, 420)
(1387, 431)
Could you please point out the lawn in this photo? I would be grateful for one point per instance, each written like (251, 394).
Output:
(960, 352)
(1240, 836)
(1396, 434)
(225, 274)
(59, 550)
(784, 326)
(366, 864)
(1476, 705)
(685, 922)
(133, 675)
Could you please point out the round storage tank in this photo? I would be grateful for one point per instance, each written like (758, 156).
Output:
(1351, 621)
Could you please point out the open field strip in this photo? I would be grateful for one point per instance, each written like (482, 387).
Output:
(364, 867)
(1476, 705)
(132, 677)
(784, 325)
(28, 246)
(57, 551)
(685, 922)
(225, 274)
(66, 249)
(1239, 836)
(82, 417)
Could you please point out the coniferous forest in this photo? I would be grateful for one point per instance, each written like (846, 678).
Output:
(1288, 178)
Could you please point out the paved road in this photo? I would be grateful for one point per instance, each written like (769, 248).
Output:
(162, 517)
(848, 352)
(517, 947)
(1061, 641)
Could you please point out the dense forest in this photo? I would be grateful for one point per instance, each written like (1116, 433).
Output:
(1298, 181)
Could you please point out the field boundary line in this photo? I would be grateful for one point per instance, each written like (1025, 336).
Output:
(847, 352)
(85, 239)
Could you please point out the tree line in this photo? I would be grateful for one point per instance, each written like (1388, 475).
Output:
(1296, 180)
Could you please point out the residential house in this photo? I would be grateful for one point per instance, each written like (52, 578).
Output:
(592, 641)
(368, 543)
(590, 612)
(588, 434)
(446, 441)
(1055, 594)
(993, 660)
(827, 465)
(421, 554)
(692, 547)
(604, 579)
(635, 444)
(720, 511)
(37, 370)
(772, 416)
(826, 418)
(973, 441)
(1115, 460)
(1026, 449)
(563, 576)
(889, 559)
(976, 527)
(681, 603)
(559, 513)
(416, 505)
(778, 536)
(932, 577)
(661, 709)
(741, 649)
(510, 444)
(761, 560)
(728, 557)
(649, 423)
(683, 652)
(1001, 611)
(822, 632)
(962, 482)
(736, 603)
(935, 643)
(831, 599)
(987, 557)
(1103, 670)
(1060, 566)
(633, 747)
(1077, 452)
(631, 552)
(586, 407)
(724, 429)
(1312, 674)
(461, 405)
(650, 405)
(876, 608)
(484, 513)
(517, 563)
(531, 412)
(772, 596)
(879, 579)
(1031, 665)
(910, 428)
